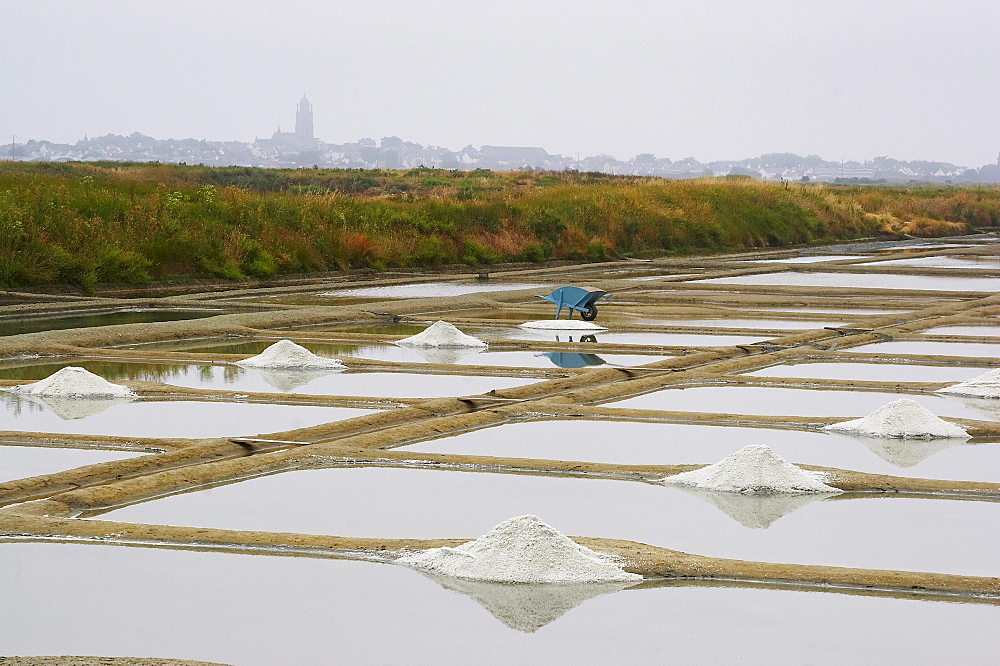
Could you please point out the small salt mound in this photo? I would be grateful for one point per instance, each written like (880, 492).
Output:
(73, 382)
(901, 419)
(753, 470)
(986, 385)
(563, 325)
(441, 334)
(286, 355)
(521, 550)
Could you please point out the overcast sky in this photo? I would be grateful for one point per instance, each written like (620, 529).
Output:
(712, 79)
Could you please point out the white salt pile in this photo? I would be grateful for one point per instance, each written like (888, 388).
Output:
(563, 325)
(986, 385)
(441, 334)
(753, 470)
(73, 382)
(286, 355)
(521, 550)
(901, 419)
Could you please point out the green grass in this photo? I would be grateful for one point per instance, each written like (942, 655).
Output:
(80, 224)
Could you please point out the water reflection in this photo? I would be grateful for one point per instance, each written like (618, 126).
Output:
(445, 355)
(755, 511)
(287, 381)
(72, 409)
(573, 359)
(19, 325)
(523, 606)
(903, 452)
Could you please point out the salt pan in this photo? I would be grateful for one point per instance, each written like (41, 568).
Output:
(441, 334)
(74, 382)
(563, 325)
(986, 385)
(521, 550)
(901, 419)
(286, 355)
(753, 470)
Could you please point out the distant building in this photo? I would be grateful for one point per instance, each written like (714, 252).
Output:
(302, 139)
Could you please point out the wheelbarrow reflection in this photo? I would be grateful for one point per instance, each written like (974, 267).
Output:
(573, 359)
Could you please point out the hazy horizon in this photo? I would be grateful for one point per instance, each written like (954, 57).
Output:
(713, 80)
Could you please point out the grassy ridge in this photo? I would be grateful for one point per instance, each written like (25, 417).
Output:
(109, 222)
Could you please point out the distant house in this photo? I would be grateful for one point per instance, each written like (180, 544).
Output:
(512, 157)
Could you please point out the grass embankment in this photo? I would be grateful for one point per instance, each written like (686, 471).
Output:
(81, 224)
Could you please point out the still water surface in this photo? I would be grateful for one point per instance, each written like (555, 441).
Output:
(208, 606)
(939, 535)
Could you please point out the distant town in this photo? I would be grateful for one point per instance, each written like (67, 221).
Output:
(300, 148)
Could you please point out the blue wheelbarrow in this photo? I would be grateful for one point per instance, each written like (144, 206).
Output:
(581, 299)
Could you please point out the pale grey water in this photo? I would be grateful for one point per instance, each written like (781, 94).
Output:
(806, 260)
(876, 372)
(767, 324)
(980, 331)
(259, 610)
(865, 281)
(639, 443)
(18, 324)
(980, 349)
(147, 418)
(21, 462)
(992, 263)
(789, 402)
(908, 534)
(321, 382)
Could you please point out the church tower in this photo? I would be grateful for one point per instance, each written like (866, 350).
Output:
(304, 120)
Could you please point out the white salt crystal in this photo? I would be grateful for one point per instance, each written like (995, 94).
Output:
(901, 419)
(74, 382)
(286, 355)
(521, 550)
(986, 385)
(441, 334)
(753, 470)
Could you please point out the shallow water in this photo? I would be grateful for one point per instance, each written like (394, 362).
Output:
(312, 382)
(875, 372)
(321, 610)
(663, 339)
(912, 534)
(21, 462)
(843, 311)
(982, 349)
(787, 401)
(432, 289)
(20, 324)
(767, 324)
(865, 281)
(979, 331)
(992, 263)
(147, 418)
(638, 443)
(806, 260)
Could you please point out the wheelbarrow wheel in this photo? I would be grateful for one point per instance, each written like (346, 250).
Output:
(590, 314)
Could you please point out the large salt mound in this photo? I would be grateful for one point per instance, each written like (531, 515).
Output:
(753, 470)
(563, 325)
(441, 334)
(986, 385)
(73, 382)
(521, 550)
(901, 419)
(286, 355)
